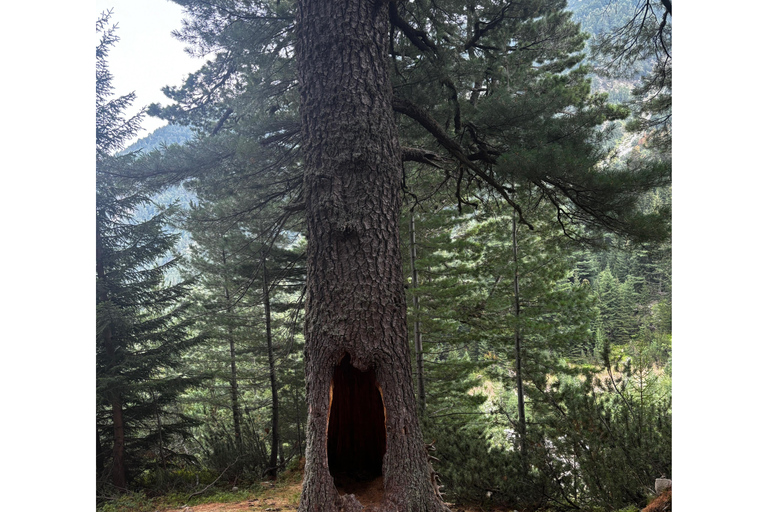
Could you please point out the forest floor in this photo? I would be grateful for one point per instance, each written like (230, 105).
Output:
(278, 499)
(284, 500)
(280, 496)
(283, 496)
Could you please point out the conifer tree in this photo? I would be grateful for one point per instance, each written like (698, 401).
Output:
(141, 328)
(516, 335)
(215, 265)
(448, 299)
(249, 292)
(535, 315)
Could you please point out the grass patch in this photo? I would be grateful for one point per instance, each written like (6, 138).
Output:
(283, 494)
(139, 502)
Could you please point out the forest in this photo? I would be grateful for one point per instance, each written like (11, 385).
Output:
(405, 255)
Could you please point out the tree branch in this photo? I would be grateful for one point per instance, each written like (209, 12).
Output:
(480, 32)
(423, 156)
(417, 37)
(217, 479)
(423, 117)
(221, 122)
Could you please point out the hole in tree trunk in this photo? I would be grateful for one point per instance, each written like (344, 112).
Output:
(356, 430)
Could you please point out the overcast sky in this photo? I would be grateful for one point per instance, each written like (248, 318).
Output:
(147, 57)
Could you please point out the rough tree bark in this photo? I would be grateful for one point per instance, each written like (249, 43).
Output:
(357, 358)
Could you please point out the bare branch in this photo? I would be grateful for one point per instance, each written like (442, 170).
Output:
(217, 479)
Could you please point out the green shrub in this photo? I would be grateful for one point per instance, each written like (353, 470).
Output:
(474, 472)
(128, 502)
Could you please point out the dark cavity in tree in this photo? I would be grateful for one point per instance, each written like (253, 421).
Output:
(356, 426)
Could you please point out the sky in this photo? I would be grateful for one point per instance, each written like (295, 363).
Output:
(147, 57)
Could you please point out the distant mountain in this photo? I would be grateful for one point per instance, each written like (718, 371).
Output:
(165, 135)
(601, 16)
(176, 194)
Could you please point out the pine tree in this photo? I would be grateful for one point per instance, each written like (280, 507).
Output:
(515, 335)
(141, 328)
(535, 315)
(448, 299)
(249, 293)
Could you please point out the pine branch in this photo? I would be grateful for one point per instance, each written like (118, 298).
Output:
(423, 117)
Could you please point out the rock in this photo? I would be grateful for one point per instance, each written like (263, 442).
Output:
(662, 484)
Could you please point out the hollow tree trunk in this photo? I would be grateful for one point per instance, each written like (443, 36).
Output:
(357, 359)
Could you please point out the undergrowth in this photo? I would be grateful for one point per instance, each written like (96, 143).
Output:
(283, 489)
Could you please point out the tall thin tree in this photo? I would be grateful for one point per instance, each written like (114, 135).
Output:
(141, 323)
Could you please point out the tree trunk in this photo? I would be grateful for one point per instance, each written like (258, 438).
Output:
(159, 423)
(272, 470)
(357, 359)
(417, 347)
(233, 387)
(518, 354)
(119, 478)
